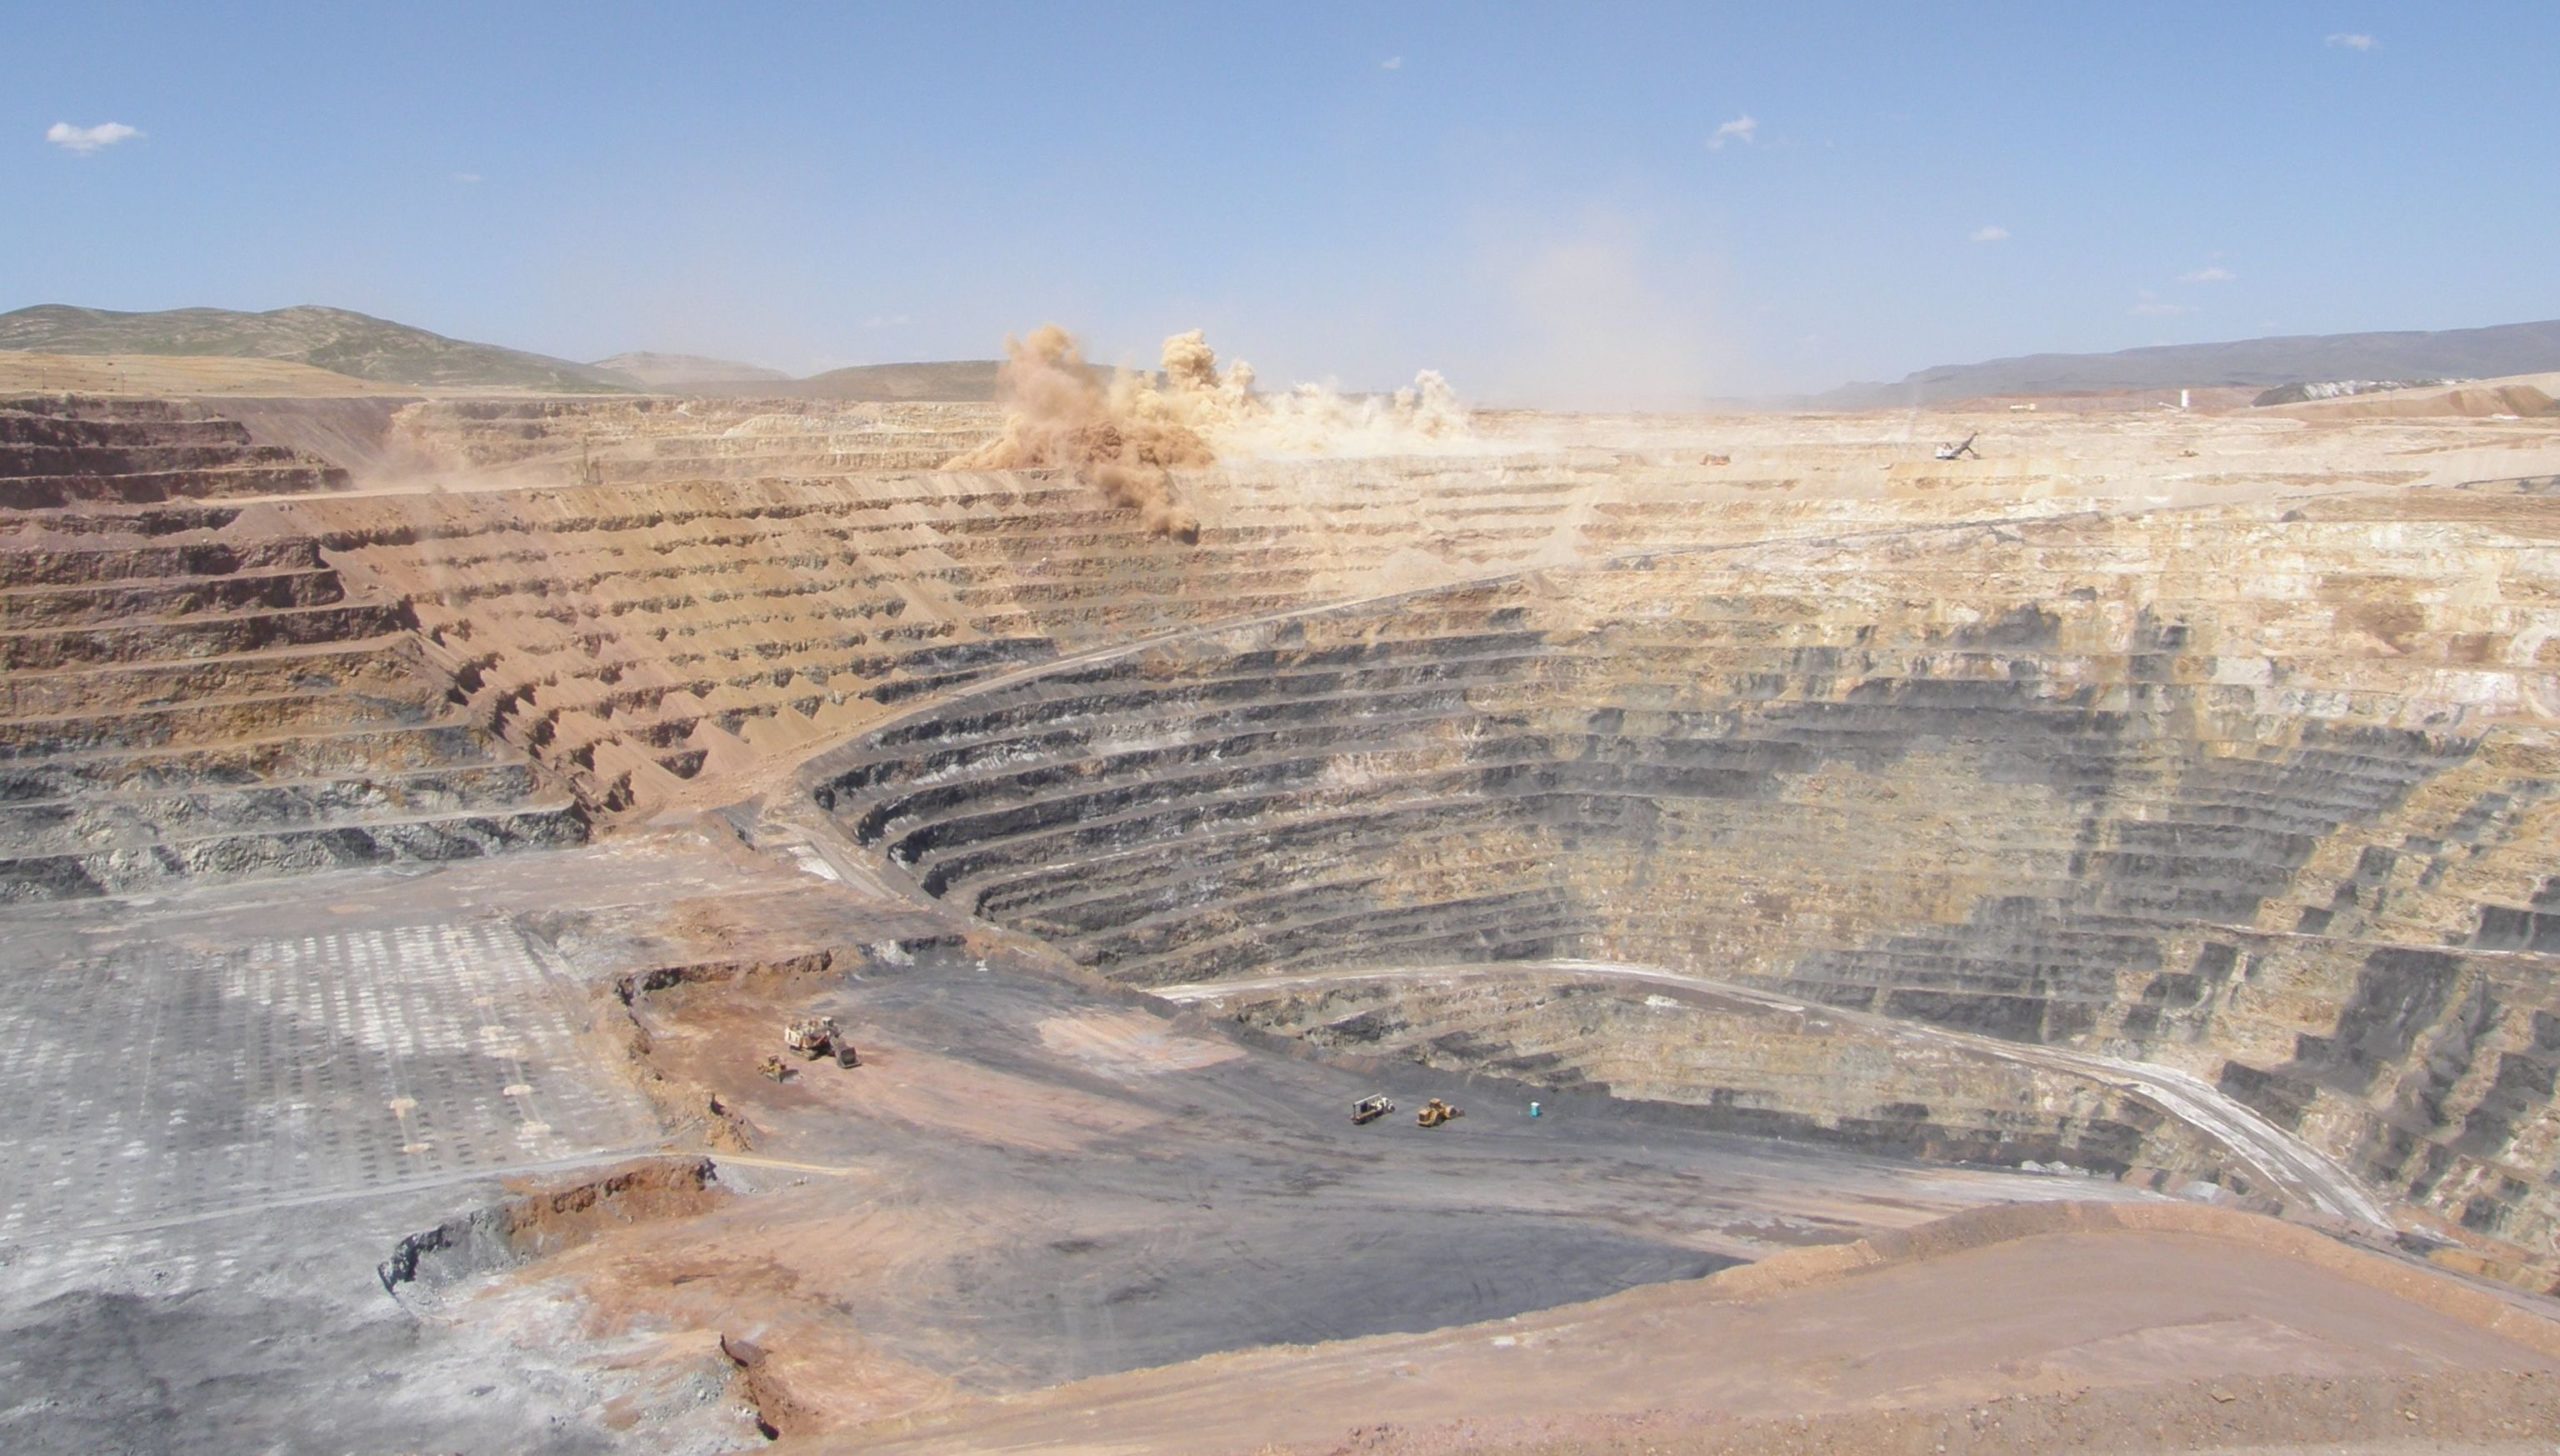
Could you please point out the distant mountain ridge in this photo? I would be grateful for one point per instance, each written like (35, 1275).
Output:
(971, 380)
(2266, 363)
(335, 339)
(659, 371)
(379, 350)
(950, 381)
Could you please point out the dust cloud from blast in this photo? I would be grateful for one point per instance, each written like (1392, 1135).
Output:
(1128, 435)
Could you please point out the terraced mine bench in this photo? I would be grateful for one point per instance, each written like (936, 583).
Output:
(191, 692)
(2263, 793)
(60, 450)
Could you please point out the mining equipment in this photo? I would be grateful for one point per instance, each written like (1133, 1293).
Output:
(1436, 1112)
(774, 1068)
(812, 1037)
(1961, 449)
(1371, 1108)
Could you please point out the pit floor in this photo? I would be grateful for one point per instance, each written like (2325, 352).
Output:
(231, 1105)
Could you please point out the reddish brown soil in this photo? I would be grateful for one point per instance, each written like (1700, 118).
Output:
(2230, 1330)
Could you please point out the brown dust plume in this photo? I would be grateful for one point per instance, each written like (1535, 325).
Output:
(1128, 436)
(1059, 416)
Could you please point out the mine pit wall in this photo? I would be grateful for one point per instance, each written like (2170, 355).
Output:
(1800, 1076)
(190, 690)
(743, 583)
(636, 637)
(2264, 796)
(2260, 792)
(71, 450)
(654, 596)
(667, 439)
(360, 436)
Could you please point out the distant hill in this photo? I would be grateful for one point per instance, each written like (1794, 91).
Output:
(325, 338)
(162, 375)
(961, 380)
(669, 371)
(2246, 363)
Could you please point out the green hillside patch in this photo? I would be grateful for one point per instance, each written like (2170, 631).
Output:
(326, 338)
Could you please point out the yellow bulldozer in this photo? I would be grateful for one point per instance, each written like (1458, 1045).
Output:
(1436, 1112)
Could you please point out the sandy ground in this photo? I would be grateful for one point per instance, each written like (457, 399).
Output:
(1998, 1330)
(1029, 1181)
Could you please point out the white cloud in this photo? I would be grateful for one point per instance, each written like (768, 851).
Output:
(2214, 274)
(88, 139)
(2351, 41)
(2160, 308)
(1991, 232)
(887, 321)
(468, 179)
(1392, 63)
(1743, 128)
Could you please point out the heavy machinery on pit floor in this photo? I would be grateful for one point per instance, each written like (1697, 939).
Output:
(812, 1037)
(1435, 1112)
(1371, 1108)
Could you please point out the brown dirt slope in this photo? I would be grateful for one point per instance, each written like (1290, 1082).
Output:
(2525, 396)
(2154, 1312)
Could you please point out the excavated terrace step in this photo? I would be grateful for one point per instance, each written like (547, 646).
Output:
(667, 574)
(884, 677)
(2312, 791)
(23, 607)
(1531, 932)
(2230, 856)
(98, 406)
(277, 758)
(118, 557)
(57, 430)
(305, 850)
(1277, 920)
(382, 665)
(2198, 889)
(589, 523)
(1236, 851)
(147, 522)
(1067, 697)
(164, 639)
(30, 459)
(204, 721)
(43, 492)
(99, 822)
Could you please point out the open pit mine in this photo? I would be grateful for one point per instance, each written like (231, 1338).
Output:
(2046, 949)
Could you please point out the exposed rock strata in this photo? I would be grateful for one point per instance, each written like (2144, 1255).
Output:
(2263, 793)
(191, 691)
(2236, 759)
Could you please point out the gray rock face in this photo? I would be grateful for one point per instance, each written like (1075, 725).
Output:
(193, 694)
(2116, 787)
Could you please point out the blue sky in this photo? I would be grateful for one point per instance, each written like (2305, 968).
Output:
(1565, 204)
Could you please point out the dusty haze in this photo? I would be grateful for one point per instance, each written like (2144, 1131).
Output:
(1129, 436)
